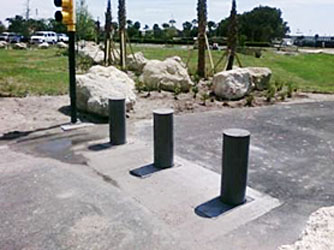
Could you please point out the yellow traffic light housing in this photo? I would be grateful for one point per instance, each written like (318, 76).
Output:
(67, 14)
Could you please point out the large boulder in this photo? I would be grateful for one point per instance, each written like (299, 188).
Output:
(91, 50)
(101, 83)
(166, 75)
(21, 46)
(260, 77)
(136, 62)
(233, 84)
(3, 44)
(44, 45)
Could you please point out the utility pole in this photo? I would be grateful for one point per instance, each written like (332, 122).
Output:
(28, 10)
(67, 16)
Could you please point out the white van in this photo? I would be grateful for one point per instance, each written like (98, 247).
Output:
(44, 36)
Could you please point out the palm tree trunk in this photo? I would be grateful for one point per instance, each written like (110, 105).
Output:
(202, 21)
(122, 28)
(232, 36)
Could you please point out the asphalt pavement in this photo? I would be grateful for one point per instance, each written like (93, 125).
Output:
(65, 190)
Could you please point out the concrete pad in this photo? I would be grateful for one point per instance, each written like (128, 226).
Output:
(78, 125)
(173, 194)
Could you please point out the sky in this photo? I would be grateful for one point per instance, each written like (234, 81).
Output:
(304, 17)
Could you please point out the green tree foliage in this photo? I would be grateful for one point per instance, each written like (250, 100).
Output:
(2, 27)
(26, 27)
(85, 22)
(262, 24)
(57, 27)
(133, 29)
(157, 32)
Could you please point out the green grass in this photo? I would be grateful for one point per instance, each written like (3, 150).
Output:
(44, 72)
(33, 72)
(309, 72)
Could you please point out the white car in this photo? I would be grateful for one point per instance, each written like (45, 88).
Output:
(44, 37)
(62, 38)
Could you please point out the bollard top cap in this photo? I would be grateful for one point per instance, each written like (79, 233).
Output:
(235, 132)
(165, 111)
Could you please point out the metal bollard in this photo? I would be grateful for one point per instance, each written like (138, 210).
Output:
(235, 166)
(163, 138)
(117, 121)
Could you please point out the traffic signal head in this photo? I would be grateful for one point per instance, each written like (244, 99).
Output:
(67, 14)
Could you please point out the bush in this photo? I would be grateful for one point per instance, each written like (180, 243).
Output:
(84, 63)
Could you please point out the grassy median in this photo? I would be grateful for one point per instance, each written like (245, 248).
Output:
(44, 72)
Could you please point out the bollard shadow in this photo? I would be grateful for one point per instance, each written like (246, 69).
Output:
(100, 146)
(145, 171)
(215, 207)
(13, 135)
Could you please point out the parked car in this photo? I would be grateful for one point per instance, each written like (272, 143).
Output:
(15, 38)
(62, 38)
(44, 36)
(4, 36)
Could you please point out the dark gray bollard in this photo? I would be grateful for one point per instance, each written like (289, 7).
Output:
(235, 166)
(163, 138)
(117, 121)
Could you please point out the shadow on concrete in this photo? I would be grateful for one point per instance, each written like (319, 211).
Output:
(145, 171)
(212, 208)
(84, 117)
(12, 135)
(100, 146)
(215, 207)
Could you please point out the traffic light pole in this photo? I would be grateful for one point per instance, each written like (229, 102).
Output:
(73, 94)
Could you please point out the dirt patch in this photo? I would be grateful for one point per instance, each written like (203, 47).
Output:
(25, 115)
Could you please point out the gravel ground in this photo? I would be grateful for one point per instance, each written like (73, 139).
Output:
(319, 232)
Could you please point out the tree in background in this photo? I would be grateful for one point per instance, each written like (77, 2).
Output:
(2, 27)
(122, 30)
(26, 27)
(157, 32)
(57, 27)
(187, 26)
(263, 24)
(202, 22)
(85, 22)
(232, 39)
(133, 29)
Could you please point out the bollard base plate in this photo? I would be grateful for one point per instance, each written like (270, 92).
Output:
(215, 207)
(148, 170)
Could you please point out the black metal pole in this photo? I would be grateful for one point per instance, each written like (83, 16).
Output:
(163, 138)
(235, 166)
(117, 121)
(71, 57)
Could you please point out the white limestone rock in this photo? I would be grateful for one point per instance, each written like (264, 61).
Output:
(233, 84)
(166, 75)
(260, 77)
(101, 83)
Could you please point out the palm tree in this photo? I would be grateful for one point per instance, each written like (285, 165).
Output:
(107, 34)
(122, 27)
(202, 22)
(232, 36)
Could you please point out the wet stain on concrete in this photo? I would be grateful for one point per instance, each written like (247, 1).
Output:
(59, 146)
